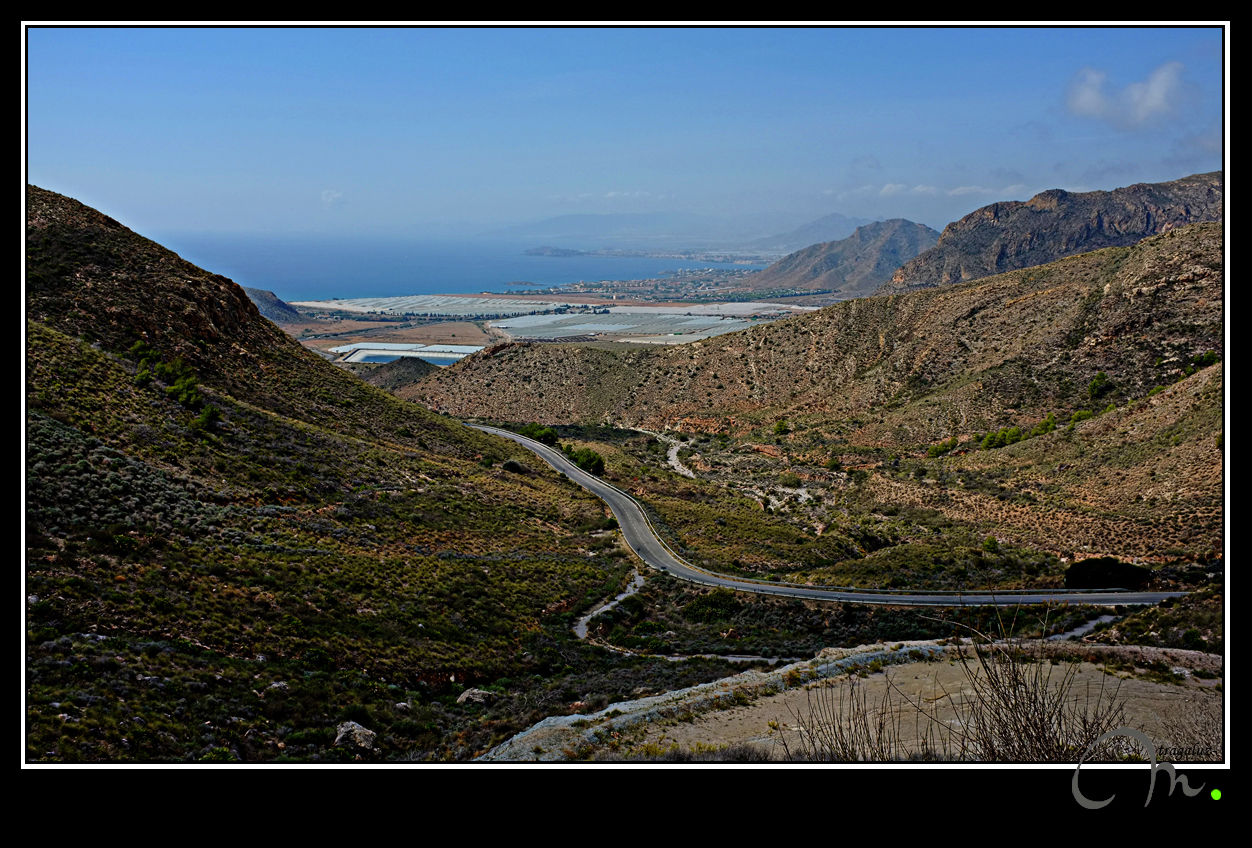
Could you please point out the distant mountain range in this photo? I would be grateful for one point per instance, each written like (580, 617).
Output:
(853, 266)
(1054, 224)
(763, 231)
(1114, 311)
(832, 227)
(662, 230)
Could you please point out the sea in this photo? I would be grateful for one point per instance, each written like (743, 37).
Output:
(321, 268)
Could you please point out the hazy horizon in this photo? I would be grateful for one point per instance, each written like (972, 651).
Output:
(309, 267)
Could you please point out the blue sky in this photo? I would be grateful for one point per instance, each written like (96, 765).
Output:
(415, 131)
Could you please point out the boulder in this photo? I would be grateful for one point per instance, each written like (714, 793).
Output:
(478, 696)
(354, 736)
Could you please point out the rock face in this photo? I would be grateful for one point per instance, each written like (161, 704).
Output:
(1055, 224)
(354, 737)
(854, 266)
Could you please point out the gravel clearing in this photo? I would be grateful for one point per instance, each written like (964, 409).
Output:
(761, 707)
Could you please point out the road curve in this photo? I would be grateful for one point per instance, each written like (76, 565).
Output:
(645, 542)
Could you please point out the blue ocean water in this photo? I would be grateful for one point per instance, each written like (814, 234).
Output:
(305, 268)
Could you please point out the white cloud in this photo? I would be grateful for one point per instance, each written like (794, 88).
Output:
(329, 197)
(925, 189)
(1016, 188)
(1086, 94)
(628, 194)
(892, 188)
(1158, 97)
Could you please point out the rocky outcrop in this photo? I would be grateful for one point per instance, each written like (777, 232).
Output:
(1055, 224)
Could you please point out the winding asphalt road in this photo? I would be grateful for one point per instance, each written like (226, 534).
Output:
(645, 542)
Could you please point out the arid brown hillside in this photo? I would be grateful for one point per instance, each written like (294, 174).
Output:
(89, 275)
(1055, 224)
(851, 267)
(1144, 480)
(896, 370)
(890, 404)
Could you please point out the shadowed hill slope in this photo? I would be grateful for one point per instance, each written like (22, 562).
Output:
(398, 373)
(1055, 224)
(851, 267)
(272, 306)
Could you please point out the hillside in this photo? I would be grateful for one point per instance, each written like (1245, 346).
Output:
(851, 267)
(233, 547)
(398, 373)
(1029, 339)
(271, 306)
(876, 384)
(1055, 224)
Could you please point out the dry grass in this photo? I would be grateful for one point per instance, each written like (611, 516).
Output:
(1017, 706)
(841, 726)
(1197, 734)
